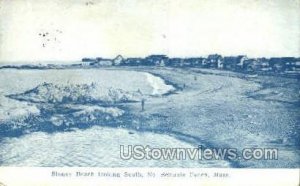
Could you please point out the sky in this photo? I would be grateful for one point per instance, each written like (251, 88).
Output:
(43, 30)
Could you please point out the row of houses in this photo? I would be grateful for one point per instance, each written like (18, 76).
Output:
(215, 61)
(99, 61)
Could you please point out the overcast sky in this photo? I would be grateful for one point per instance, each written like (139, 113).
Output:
(33, 30)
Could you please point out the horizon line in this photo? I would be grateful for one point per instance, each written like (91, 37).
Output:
(79, 60)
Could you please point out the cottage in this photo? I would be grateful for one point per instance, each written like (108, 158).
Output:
(215, 61)
(175, 62)
(290, 63)
(251, 65)
(133, 61)
(297, 66)
(235, 62)
(192, 62)
(205, 63)
(158, 60)
(241, 60)
(103, 62)
(277, 64)
(264, 65)
(87, 61)
(118, 60)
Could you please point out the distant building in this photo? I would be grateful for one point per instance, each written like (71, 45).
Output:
(277, 64)
(175, 62)
(290, 63)
(103, 62)
(234, 62)
(132, 61)
(215, 61)
(87, 61)
(205, 63)
(118, 60)
(251, 65)
(193, 62)
(264, 65)
(241, 61)
(284, 64)
(157, 60)
(99, 58)
(297, 66)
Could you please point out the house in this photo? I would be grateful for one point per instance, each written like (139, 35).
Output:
(290, 63)
(277, 64)
(284, 64)
(205, 63)
(192, 62)
(87, 61)
(157, 60)
(99, 58)
(118, 60)
(297, 66)
(234, 62)
(175, 62)
(281, 64)
(132, 61)
(103, 62)
(241, 60)
(215, 61)
(264, 64)
(230, 63)
(251, 65)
